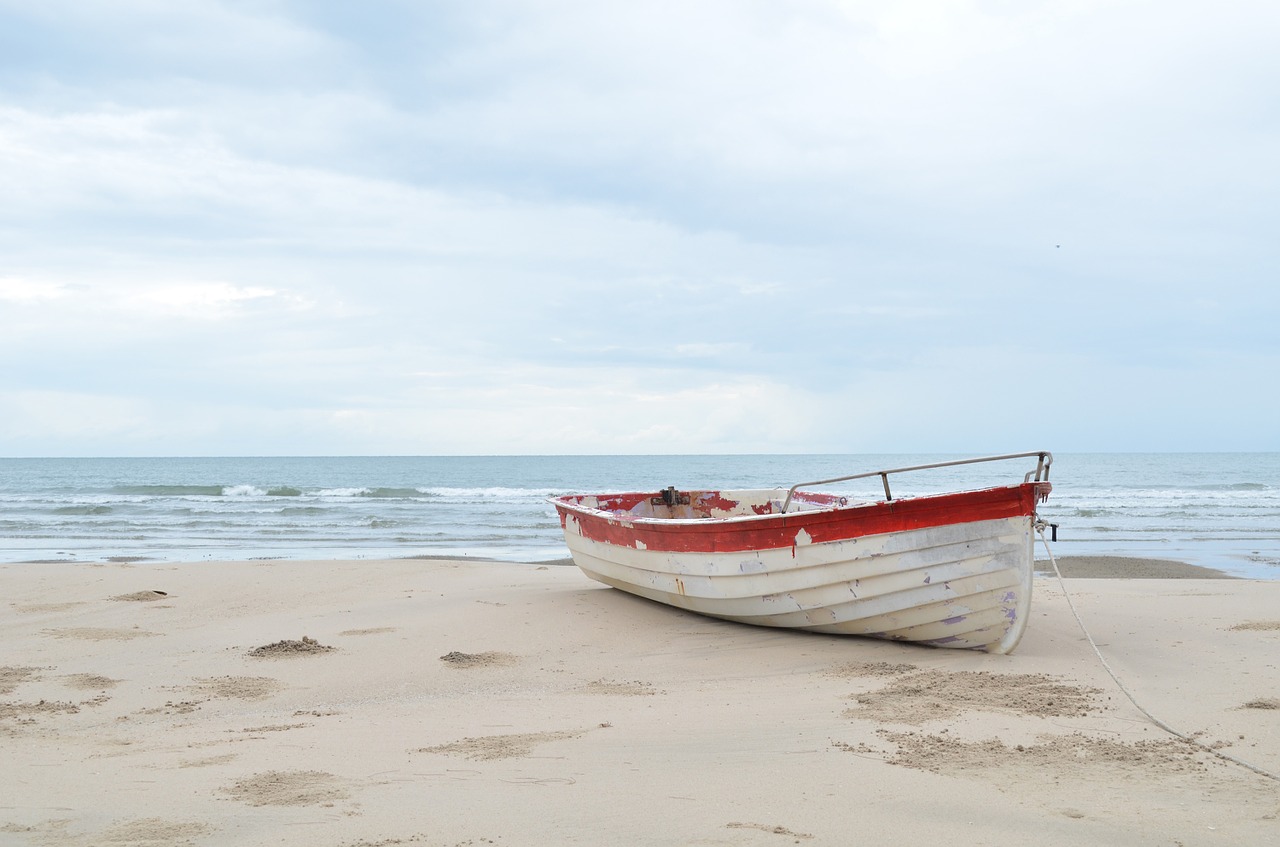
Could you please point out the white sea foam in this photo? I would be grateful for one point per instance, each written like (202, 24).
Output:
(243, 491)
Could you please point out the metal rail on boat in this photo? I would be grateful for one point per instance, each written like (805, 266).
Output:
(1045, 459)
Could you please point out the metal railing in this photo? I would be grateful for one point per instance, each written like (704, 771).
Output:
(1045, 459)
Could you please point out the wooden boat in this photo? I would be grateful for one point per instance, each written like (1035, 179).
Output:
(949, 570)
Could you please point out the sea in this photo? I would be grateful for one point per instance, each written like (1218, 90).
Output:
(1219, 510)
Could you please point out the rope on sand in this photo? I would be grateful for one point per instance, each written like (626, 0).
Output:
(1187, 738)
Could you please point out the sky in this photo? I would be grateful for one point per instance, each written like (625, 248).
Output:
(708, 226)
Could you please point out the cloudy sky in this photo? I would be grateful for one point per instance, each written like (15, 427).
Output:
(231, 227)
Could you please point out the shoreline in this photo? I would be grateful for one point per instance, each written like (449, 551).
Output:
(355, 703)
(1128, 567)
(1073, 566)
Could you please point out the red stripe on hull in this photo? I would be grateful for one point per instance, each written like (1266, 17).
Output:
(780, 531)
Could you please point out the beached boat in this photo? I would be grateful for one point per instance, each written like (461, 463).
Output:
(949, 570)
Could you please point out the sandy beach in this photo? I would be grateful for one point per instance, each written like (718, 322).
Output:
(439, 702)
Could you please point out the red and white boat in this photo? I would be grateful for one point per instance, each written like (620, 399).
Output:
(949, 570)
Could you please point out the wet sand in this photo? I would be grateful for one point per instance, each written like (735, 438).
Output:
(1128, 567)
(439, 702)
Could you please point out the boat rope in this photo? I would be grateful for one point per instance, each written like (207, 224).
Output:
(1155, 720)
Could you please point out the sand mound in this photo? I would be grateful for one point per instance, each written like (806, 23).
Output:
(286, 649)
(489, 659)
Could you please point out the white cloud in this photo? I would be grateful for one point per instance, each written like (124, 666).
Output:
(196, 300)
(29, 291)
(651, 227)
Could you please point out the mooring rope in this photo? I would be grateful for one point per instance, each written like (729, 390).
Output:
(1183, 736)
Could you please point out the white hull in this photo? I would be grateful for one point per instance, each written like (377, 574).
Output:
(962, 585)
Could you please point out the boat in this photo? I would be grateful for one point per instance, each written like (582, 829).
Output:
(951, 569)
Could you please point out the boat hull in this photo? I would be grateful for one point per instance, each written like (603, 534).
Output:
(951, 570)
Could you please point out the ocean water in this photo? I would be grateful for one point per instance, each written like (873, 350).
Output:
(1220, 510)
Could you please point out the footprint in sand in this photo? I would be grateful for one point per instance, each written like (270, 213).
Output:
(208, 761)
(634, 688)
(154, 831)
(916, 698)
(47, 607)
(764, 827)
(1257, 626)
(288, 788)
(1076, 753)
(93, 633)
(489, 747)
(26, 712)
(12, 677)
(143, 596)
(236, 687)
(90, 681)
(377, 630)
(849, 669)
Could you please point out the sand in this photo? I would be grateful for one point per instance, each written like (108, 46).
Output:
(436, 702)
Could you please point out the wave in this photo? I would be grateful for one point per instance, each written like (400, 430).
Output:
(83, 510)
(255, 491)
(243, 491)
(496, 491)
(415, 493)
(372, 492)
(1233, 486)
(171, 490)
(378, 493)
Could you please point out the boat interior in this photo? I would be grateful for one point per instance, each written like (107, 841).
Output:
(673, 504)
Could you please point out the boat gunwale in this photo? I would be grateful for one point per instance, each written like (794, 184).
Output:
(803, 528)
(626, 519)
